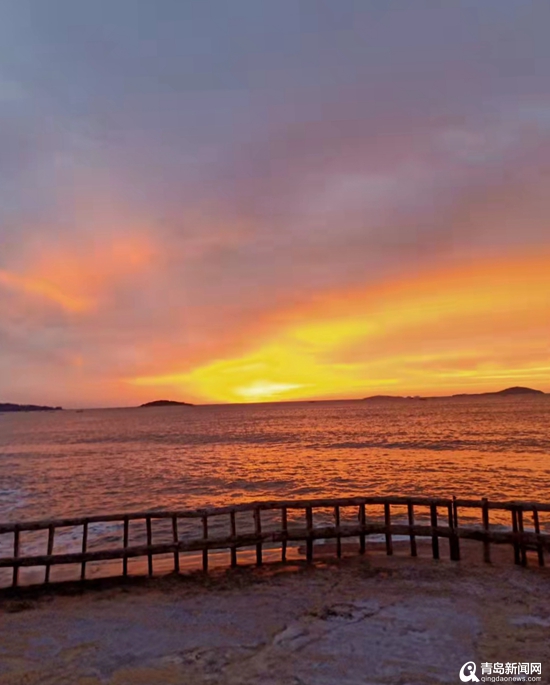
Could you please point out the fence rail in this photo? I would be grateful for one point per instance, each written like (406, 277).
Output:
(444, 523)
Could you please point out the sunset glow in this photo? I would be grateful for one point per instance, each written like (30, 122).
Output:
(43, 288)
(472, 328)
(257, 203)
(75, 279)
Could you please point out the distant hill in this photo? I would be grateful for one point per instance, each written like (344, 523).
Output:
(516, 390)
(26, 407)
(167, 403)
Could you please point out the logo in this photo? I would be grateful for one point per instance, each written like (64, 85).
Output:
(468, 673)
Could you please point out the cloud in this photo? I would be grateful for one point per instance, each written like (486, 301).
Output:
(177, 183)
(75, 279)
(43, 289)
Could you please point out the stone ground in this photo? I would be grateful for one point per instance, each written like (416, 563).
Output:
(361, 621)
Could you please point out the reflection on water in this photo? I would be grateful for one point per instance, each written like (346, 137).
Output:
(109, 461)
(60, 464)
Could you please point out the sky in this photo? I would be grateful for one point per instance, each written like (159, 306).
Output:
(253, 201)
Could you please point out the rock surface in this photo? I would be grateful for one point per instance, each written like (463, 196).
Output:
(357, 622)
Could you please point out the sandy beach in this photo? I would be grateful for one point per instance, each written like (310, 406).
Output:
(362, 620)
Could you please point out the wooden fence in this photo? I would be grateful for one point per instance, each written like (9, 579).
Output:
(442, 522)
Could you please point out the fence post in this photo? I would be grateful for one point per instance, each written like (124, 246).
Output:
(338, 537)
(284, 522)
(540, 548)
(149, 543)
(412, 537)
(362, 523)
(453, 537)
(125, 544)
(435, 538)
(15, 578)
(515, 535)
(309, 527)
(523, 550)
(51, 533)
(486, 543)
(84, 549)
(233, 524)
(455, 512)
(258, 529)
(387, 522)
(175, 538)
(205, 538)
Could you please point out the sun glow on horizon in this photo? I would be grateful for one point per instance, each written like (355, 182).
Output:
(460, 328)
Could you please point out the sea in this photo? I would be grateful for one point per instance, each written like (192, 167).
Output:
(72, 463)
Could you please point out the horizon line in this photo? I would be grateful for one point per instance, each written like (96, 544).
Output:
(294, 401)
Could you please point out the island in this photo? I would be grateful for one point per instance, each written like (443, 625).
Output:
(507, 392)
(9, 407)
(166, 403)
(516, 390)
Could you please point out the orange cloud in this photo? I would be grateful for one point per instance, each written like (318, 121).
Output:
(44, 289)
(476, 325)
(76, 279)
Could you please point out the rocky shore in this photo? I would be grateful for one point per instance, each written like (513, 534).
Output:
(374, 620)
